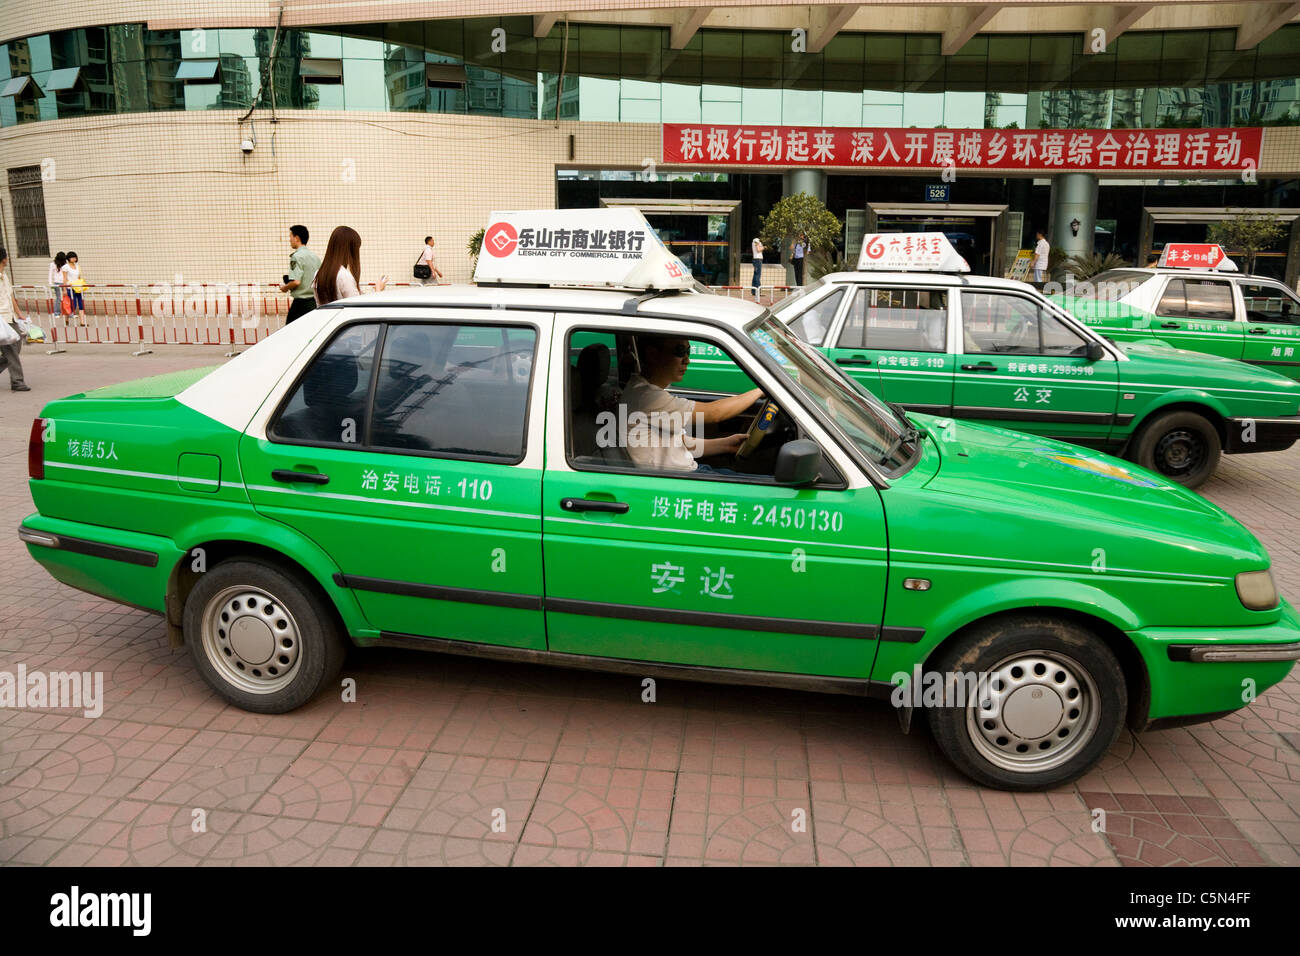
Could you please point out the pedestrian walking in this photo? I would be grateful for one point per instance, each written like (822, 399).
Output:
(13, 329)
(757, 248)
(76, 285)
(797, 252)
(339, 275)
(55, 282)
(426, 267)
(303, 264)
(1041, 252)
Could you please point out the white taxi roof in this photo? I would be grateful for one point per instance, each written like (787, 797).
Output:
(684, 305)
(937, 279)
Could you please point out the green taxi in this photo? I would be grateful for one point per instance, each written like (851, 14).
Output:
(434, 469)
(1211, 308)
(996, 351)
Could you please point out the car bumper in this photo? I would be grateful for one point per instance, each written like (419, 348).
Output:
(1215, 670)
(124, 566)
(1261, 434)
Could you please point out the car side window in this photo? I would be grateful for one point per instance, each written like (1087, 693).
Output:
(909, 320)
(1173, 301)
(459, 390)
(1270, 302)
(329, 406)
(812, 326)
(1209, 299)
(630, 408)
(995, 322)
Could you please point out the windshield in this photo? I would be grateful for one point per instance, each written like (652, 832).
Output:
(797, 294)
(877, 430)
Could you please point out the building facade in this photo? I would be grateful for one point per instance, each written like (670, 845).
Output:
(121, 125)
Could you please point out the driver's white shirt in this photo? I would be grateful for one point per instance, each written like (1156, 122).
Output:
(662, 448)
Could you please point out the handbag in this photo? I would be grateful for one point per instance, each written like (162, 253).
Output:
(421, 271)
(7, 334)
(65, 303)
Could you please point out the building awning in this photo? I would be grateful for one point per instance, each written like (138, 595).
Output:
(199, 71)
(444, 76)
(60, 81)
(320, 70)
(21, 88)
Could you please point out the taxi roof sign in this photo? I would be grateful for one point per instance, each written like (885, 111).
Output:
(602, 248)
(909, 252)
(1195, 255)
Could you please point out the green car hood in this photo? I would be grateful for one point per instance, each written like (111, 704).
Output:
(1071, 488)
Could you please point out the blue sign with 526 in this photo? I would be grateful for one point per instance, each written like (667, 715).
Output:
(940, 193)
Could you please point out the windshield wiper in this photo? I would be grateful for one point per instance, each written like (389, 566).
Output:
(909, 434)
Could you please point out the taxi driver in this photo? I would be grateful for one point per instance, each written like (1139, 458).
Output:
(661, 438)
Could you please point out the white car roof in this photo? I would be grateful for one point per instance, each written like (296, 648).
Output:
(938, 279)
(1180, 271)
(684, 305)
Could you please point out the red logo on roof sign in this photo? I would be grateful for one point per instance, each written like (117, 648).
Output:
(500, 239)
(1194, 255)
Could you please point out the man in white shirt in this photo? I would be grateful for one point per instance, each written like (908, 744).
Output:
(429, 258)
(659, 438)
(757, 248)
(1041, 251)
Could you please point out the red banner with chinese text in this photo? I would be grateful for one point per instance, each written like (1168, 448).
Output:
(1092, 150)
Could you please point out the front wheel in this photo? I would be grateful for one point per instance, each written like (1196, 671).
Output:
(1049, 700)
(262, 639)
(1181, 445)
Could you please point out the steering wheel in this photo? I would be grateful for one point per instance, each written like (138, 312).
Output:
(763, 425)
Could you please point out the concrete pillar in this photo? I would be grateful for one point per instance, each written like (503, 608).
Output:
(804, 180)
(1074, 197)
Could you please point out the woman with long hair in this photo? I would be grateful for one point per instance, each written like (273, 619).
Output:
(339, 275)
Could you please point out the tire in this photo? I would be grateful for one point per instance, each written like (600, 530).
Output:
(1181, 445)
(1023, 742)
(261, 638)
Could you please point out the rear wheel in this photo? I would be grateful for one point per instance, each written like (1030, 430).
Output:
(1181, 445)
(262, 639)
(1051, 700)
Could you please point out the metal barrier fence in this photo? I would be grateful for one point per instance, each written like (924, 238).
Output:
(195, 313)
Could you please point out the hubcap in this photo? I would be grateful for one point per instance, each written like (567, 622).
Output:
(251, 639)
(1179, 452)
(1036, 710)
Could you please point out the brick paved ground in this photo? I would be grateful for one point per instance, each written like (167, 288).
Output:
(582, 772)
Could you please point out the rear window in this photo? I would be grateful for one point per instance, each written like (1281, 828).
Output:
(908, 320)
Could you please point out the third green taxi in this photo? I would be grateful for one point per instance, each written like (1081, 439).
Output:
(516, 471)
(913, 328)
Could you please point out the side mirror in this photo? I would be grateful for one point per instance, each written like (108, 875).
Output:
(1095, 352)
(798, 462)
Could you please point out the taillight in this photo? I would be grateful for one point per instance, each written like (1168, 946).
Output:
(36, 450)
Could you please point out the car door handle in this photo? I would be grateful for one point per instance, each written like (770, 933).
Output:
(853, 360)
(586, 504)
(302, 477)
(979, 368)
(1170, 325)
(1258, 331)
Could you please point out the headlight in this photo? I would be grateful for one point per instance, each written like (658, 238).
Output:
(1256, 590)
